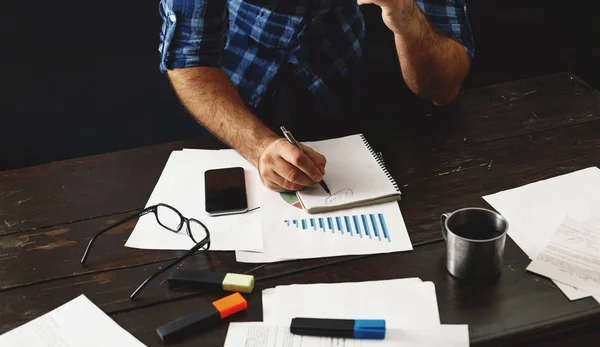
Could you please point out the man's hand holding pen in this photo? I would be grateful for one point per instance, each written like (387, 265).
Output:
(284, 167)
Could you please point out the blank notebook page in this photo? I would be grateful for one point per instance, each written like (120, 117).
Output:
(354, 173)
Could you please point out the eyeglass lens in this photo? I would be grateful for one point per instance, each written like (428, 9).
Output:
(169, 218)
(197, 231)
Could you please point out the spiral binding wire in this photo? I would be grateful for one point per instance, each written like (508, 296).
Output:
(379, 158)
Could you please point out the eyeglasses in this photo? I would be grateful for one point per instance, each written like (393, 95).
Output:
(171, 219)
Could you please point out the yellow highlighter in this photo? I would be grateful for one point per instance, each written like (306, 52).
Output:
(192, 278)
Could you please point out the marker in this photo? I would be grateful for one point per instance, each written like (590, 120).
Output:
(206, 317)
(230, 282)
(350, 328)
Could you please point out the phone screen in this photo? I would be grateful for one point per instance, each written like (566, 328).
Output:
(225, 191)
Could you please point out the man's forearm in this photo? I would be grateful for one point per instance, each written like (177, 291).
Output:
(213, 100)
(433, 65)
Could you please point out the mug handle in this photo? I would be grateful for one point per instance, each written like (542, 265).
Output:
(442, 220)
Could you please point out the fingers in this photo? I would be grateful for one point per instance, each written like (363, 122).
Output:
(299, 159)
(319, 159)
(275, 181)
(290, 173)
(284, 167)
(269, 162)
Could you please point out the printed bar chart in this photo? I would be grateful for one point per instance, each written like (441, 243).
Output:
(367, 226)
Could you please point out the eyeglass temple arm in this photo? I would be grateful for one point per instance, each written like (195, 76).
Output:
(173, 263)
(136, 215)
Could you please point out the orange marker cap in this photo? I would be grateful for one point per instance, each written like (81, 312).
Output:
(230, 304)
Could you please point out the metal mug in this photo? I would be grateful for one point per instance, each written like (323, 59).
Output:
(475, 257)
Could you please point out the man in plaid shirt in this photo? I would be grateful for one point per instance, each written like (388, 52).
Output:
(233, 63)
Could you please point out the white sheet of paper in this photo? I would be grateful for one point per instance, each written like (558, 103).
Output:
(573, 293)
(529, 248)
(534, 211)
(77, 323)
(248, 230)
(572, 256)
(181, 185)
(250, 334)
(403, 303)
(291, 232)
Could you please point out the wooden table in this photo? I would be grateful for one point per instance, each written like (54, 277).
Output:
(490, 139)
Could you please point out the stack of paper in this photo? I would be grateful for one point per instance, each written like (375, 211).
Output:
(280, 229)
(74, 324)
(534, 211)
(573, 255)
(409, 307)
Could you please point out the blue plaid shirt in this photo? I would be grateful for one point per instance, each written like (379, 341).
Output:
(321, 40)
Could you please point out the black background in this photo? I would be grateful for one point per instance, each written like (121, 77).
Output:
(82, 78)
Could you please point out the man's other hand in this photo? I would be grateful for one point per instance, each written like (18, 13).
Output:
(283, 167)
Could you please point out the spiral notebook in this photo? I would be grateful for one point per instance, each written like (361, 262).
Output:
(355, 174)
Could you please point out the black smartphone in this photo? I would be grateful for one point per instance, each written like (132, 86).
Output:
(225, 191)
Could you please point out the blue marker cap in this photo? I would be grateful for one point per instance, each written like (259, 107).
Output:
(369, 329)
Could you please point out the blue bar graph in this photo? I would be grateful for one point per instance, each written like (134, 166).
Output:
(356, 226)
(374, 224)
(348, 227)
(383, 227)
(364, 220)
(371, 226)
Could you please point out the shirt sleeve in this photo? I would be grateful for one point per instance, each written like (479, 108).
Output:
(450, 18)
(193, 33)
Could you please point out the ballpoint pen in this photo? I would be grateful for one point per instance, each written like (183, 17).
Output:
(288, 135)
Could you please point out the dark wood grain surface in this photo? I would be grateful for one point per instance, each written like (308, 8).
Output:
(78, 189)
(504, 312)
(490, 139)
